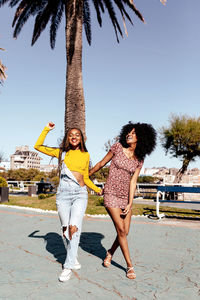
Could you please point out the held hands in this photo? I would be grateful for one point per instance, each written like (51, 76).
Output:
(101, 192)
(51, 125)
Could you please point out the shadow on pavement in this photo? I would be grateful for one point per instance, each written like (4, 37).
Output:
(54, 244)
(91, 243)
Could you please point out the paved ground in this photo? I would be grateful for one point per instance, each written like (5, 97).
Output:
(165, 254)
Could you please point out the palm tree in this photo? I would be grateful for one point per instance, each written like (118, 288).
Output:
(77, 15)
(2, 71)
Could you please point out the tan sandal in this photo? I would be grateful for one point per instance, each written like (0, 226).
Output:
(130, 273)
(107, 260)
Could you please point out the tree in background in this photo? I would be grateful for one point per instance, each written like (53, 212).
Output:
(2, 157)
(148, 179)
(182, 140)
(101, 175)
(77, 14)
(110, 142)
(23, 174)
(30, 175)
(3, 75)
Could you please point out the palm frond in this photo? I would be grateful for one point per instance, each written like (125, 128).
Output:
(19, 11)
(164, 2)
(34, 6)
(87, 21)
(13, 3)
(98, 5)
(23, 16)
(3, 75)
(101, 5)
(120, 5)
(56, 18)
(39, 6)
(2, 2)
(132, 6)
(41, 22)
(26, 9)
(111, 12)
(123, 13)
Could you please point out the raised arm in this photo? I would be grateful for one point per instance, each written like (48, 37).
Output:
(101, 163)
(44, 149)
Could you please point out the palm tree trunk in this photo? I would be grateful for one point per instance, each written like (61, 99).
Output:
(74, 97)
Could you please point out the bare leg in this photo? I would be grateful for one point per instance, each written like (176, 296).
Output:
(127, 221)
(72, 230)
(119, 223)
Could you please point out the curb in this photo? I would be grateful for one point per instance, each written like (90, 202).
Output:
(39, 210)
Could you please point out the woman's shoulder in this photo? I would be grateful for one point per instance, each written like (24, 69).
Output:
(140, 163)
(116, 147)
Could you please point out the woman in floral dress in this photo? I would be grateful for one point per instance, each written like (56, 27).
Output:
(127, 157)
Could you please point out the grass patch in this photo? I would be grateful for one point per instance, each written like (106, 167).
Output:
(95, 207)
(47, 203)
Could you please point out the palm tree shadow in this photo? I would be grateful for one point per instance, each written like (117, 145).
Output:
(91, 242)
(54, 244)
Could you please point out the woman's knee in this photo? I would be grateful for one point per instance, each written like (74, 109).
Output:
(127, 231)
(72, 230)
(121, 231)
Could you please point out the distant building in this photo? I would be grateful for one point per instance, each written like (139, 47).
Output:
(48, 168)
(4, 166)
(149, 171)
(24, 158)
(167, 176)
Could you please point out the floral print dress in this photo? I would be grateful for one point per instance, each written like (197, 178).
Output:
(122, 168)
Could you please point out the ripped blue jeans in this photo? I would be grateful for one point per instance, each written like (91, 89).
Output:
(71, 201)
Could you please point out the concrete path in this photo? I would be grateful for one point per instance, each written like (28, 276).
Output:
(166, 257)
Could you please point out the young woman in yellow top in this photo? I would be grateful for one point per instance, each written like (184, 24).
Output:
(72, 196)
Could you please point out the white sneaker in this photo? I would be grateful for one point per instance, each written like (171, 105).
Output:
(77, 265)
(65, 275)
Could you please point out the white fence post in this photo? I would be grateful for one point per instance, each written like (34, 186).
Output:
(158, 205)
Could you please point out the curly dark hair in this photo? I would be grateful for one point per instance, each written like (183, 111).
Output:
(146, 138)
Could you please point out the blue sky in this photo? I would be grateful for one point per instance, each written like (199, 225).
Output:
(147, 76)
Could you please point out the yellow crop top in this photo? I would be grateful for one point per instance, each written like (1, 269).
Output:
(75, 160)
